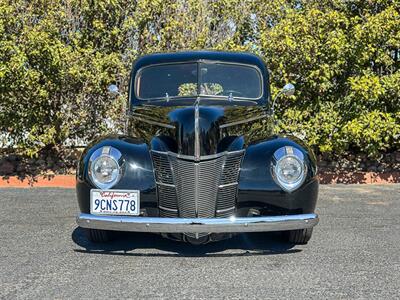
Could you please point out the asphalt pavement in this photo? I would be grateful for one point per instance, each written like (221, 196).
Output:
(353, 254)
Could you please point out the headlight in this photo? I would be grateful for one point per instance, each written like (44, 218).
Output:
(288, 168)
(105, 167)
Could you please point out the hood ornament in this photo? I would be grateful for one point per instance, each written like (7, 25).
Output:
(230, 97)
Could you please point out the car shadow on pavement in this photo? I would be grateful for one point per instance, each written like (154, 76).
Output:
(242, 244)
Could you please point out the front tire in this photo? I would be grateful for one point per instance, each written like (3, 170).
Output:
(99, 236)
(300, 236)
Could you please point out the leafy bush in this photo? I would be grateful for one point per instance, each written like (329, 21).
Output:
(58, 57)
(373, 132)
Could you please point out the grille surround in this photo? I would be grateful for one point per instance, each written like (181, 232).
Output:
(190, 188)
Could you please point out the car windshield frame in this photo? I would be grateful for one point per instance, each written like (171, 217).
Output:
(205, 96)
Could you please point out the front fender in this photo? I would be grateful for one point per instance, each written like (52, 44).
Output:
(257, 188)
(137, 175)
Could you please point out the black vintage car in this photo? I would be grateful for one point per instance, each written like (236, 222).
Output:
(199, 160)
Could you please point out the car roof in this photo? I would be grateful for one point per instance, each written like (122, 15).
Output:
(185, 56)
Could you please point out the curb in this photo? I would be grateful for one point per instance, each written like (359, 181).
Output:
(69, 181)
(61, 181)
(359, 177)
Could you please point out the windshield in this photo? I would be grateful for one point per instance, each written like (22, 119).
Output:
(198, 79)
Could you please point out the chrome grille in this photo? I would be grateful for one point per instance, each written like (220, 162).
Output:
(225, 205)
(167, 197)
(165, 186)
(231, 169)
(191, 189)
(196, 186)
(162, 166)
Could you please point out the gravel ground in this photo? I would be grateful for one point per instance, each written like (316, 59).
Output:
(354, 253)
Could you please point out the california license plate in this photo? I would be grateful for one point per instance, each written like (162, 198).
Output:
(115, 202)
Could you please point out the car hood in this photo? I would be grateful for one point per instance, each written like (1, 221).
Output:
(195, 130)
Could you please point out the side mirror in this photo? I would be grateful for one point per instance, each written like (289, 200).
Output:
(113, 90)
(288, 89)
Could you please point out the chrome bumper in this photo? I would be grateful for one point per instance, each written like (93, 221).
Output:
(197, 225)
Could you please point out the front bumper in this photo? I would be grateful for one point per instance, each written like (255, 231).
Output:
(198, 225)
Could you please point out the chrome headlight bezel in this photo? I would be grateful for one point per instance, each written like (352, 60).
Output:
(284, 153)
(111, 153)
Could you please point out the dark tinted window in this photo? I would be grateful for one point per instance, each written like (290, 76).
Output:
(159, 80)
(224, 79)
(214, 79)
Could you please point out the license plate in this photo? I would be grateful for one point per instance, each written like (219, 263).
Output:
(115, 202)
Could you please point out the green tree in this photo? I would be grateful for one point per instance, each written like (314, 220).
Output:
(58, 57)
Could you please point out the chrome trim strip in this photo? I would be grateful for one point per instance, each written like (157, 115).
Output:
(228, 184)
(198, 225)
(106, 150)
(242, 121)
(165, 184)
(197, 132)
(203, 157)
(289, 150)
(153, 122)
(196, 189)
(225, 210)
(169, 209)
(196, 156)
